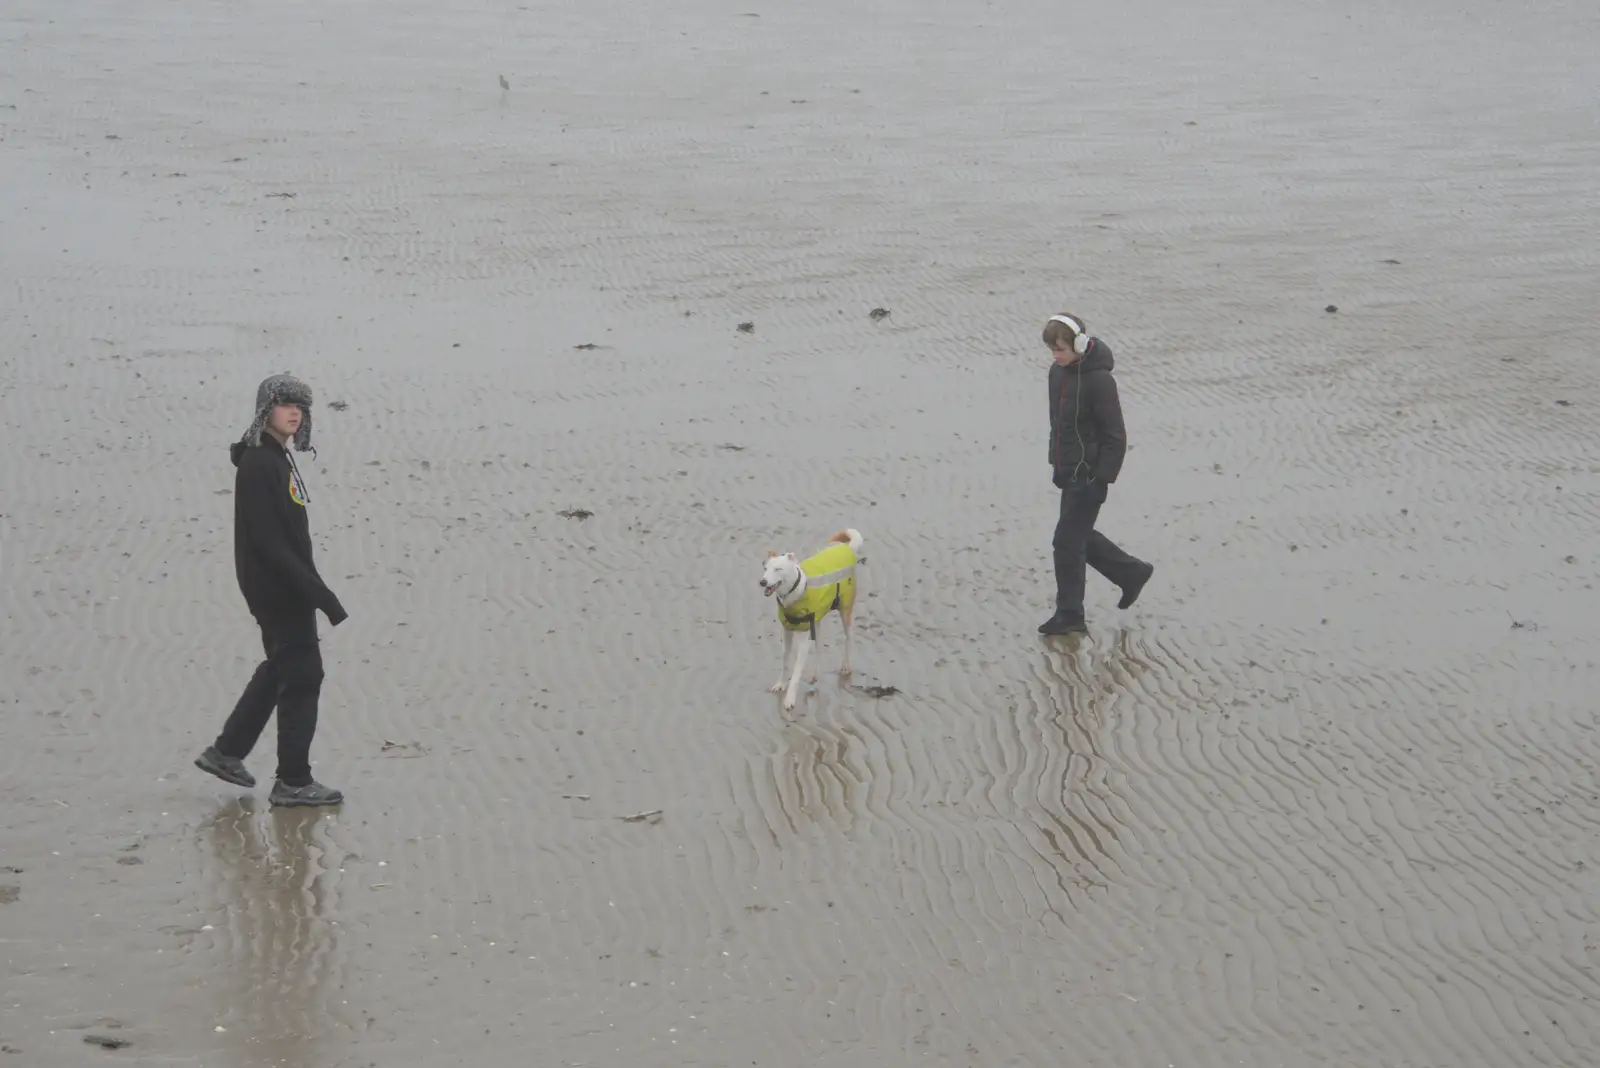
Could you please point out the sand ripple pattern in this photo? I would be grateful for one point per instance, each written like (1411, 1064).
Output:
(1326, 797)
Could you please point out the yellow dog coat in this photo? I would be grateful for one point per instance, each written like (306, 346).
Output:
(830, 584)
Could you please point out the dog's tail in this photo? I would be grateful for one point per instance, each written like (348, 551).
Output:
(850, 536)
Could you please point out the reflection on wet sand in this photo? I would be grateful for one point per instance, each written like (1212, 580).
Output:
(278, 971)
(819, 774)
(1078, 687)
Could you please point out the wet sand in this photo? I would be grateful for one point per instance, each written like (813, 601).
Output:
(1326, 796)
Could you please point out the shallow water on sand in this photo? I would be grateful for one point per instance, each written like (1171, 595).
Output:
(1325, 796)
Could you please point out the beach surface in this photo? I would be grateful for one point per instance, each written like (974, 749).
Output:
(1326, 796)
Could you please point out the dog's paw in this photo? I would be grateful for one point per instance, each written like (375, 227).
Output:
(813, 679)
(788, 703)
(845, 672)
(777, 687)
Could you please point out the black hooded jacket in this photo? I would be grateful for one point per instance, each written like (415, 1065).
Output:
(1087, 438)
(272, 536)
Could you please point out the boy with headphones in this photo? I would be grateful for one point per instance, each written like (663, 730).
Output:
(1087, 443)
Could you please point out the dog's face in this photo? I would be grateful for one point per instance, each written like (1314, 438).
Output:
(779, 572)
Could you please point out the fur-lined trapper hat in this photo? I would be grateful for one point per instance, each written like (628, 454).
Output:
(281, 389)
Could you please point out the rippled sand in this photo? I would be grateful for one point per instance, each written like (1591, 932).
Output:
(1326, 796)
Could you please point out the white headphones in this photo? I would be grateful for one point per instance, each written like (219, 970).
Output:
(1080, 339)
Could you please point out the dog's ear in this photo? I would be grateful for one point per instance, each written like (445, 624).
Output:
(771, 554)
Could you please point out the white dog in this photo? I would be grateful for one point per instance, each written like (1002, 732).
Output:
(807, 591)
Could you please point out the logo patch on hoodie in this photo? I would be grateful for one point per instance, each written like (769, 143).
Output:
(297, 493)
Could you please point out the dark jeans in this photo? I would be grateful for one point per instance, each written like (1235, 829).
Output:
(1078, 544)
(290, 678)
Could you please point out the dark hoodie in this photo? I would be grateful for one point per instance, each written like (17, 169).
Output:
(1087, 439)
(272, 536)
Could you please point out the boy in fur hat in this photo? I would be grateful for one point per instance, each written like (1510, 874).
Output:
(284, 592)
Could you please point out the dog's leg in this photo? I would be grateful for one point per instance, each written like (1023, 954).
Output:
(783, 674)
(844, 668)
(814, 662)
(799, 666)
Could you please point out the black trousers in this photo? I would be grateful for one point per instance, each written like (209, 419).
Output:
(1079, 546)
(290, 679)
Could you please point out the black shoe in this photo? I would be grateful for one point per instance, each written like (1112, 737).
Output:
(226, 768)
(1130, 592)
(1061, 623)
(313, 793)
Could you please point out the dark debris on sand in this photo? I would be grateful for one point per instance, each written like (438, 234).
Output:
(575, 513)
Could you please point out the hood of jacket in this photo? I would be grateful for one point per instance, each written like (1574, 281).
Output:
(236, 450)
(1098, 358)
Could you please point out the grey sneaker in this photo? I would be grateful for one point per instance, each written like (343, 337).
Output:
(226, 768)
(298, 796)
